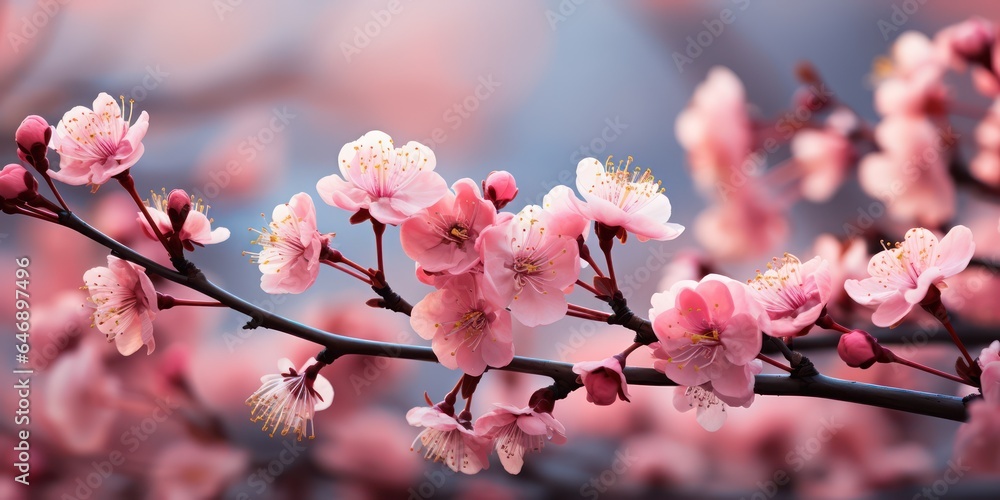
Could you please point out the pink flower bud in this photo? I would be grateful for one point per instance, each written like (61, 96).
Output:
(178, 207)
(17, 183)
(860, 350)
(604, 380)
(500, 188)
(972, 39)
(32, 139)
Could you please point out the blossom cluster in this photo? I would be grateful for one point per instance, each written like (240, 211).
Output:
(488, 269)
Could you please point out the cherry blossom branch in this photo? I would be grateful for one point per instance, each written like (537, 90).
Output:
(921, 403)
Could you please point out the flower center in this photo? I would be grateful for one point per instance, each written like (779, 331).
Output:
(458, 234)
(630, 189)
(709, 336)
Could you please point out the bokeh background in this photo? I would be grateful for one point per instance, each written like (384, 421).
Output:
(250, 102)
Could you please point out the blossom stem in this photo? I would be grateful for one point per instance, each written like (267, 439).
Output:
(924, 368)
(31, 212)
(52, 186)
(773, 362)
(624, 354)
(606, 245)
(817, 386)
(361, 269)
(586, 310)
(379, 229)
(827, 322)
(364, 279)
(590, 260)
(197, 303)
(587, 287)
(128, 183)
(958, 342)
(582, 315)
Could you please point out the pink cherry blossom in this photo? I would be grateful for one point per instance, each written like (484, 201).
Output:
(391, 183)
(32, 138)
(901, 275)
(531, 260)
(970, 40)
(847, 260)
(516, 431)
(467, 325)
(292, 247)
(910, 173)
(746, 224)
(709, 331)
(604, 380)
(196, 228)
(290, 399)
(985, 166)
(824, 156)
(95, 145)
(569, 210)
(715, 129)
(81, 399)
(793, 294)
(911, 81)
(618, 196)
(500, 188)
(442, 237)
(449, 441)
(978, 439)
(125, 304)
(190, 469)
(711, 406)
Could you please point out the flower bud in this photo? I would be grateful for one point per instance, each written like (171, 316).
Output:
(32, 139)
(604, 380)
(972, 40)
(500, 188)
(178, 207)
(860, 350)
(17, 183)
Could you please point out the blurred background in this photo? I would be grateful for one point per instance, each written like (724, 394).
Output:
(250, 102)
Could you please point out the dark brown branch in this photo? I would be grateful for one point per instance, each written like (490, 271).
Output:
(936, 405)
